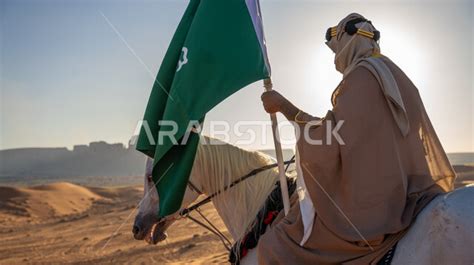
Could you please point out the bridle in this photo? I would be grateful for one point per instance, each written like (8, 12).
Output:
(208, 199)
(185, 213)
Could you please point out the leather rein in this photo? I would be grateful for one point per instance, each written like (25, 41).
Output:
(208, 199)
(185, 213)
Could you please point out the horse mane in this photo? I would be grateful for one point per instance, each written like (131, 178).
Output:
(219, 164)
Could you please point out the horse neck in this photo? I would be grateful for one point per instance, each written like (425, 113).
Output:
(219, 166)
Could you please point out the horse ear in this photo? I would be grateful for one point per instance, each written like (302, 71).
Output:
(149, 167)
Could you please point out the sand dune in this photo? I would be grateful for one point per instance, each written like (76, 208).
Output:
(46, 201)
(66, 223)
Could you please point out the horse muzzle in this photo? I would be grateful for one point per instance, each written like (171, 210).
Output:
(150, 229)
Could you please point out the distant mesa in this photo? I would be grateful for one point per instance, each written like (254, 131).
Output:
(96, 159)
(80, 148)
(103, 159)
(99, 146)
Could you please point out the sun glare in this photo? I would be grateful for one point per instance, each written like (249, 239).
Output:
(405, 51)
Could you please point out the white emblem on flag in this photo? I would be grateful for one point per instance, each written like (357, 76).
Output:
(184, 60)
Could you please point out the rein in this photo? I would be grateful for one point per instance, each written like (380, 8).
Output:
(211, 227)
(254, 172)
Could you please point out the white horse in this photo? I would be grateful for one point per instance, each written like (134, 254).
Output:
(443, 232)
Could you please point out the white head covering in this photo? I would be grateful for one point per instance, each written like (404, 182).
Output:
(358, 50)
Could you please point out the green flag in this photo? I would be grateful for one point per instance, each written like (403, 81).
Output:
(217, 49)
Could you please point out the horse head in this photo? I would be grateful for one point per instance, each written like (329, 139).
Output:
(148, 225)
(217, 165)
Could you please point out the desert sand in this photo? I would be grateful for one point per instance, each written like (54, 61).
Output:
(67, 223)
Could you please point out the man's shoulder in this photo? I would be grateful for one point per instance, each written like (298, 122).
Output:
(360, 85)
(360, 74)
(360, 79)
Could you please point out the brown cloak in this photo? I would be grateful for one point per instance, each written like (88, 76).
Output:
(367, 191)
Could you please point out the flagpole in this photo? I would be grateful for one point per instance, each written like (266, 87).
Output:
(267, 83)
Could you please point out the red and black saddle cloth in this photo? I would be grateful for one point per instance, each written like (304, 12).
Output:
(273, 205)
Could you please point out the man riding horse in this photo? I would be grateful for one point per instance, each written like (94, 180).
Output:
(357, 196)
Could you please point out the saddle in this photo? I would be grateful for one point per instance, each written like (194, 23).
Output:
(265, 217)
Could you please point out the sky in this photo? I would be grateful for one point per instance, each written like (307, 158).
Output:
(73, 72)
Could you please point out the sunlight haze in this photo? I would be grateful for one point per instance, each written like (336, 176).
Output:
(68, 78)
